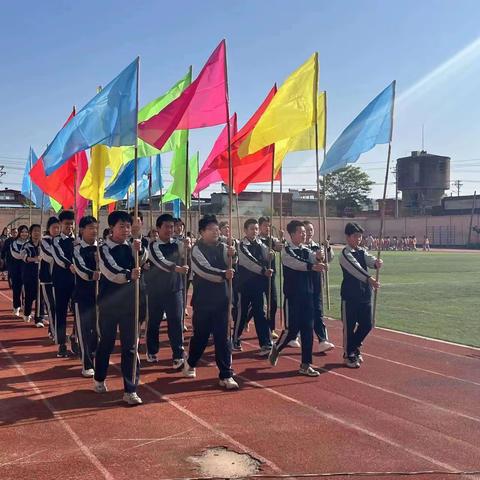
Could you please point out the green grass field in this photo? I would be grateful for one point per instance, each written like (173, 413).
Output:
(432, 294)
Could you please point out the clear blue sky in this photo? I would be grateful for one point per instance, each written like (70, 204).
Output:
(55, 53)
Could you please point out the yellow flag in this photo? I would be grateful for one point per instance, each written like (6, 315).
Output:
(304, 140)
(291, 111)
(93, 184)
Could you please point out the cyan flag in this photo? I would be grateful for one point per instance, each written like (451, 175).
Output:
(30, 188)
(109, 118)
(125, 177)
(372, 127)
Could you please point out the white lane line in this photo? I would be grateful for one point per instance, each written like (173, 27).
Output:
(351, 426)
(208, 426)
(83, 448)
(386, 390)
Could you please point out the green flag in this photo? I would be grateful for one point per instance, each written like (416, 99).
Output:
(151, 109)
(178, 172)
(55, 205)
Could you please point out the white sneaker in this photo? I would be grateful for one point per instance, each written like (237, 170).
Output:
(308, 371)
(352, 362)
(228, 383)
(100, 387)
(178, 363)
(27, 318)
(294, 343)
(325, 346)
(39, 325)
(16, 312)
(88, 373)
(188, 371)
(132, 398)
(152, 358)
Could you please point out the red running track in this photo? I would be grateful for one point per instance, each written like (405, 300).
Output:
(414, 406)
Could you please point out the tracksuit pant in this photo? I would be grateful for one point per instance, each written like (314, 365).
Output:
(273, 301)
(299, 318)
(319, 326)
(63, 293)
(15, 276)
(172, 305)
(357, 324)
(205, 323)
(86, 321)
(117, 310)
(49, 299)
(251, 297)
(30, 286)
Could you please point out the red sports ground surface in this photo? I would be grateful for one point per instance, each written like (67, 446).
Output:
(412, 410)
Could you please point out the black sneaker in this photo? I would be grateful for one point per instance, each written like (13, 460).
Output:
(62, 351)
(237, 346)
(274, 353)
(74, 345)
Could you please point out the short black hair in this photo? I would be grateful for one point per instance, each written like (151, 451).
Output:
(32, 226)
(66, 215)
(165, 217)
(223, 223)
(205, 221)
(178, 220)
(353, 227)
(106, 232)
(87, 220)
(119, 216)
(307, 222)
(132, 215)
(52, 221)
(250, 221)
(293, 225)
(263, 220)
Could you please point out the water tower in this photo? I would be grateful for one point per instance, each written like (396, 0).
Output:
(422, 179)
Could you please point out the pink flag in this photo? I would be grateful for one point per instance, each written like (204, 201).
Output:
(209, 173)
(202, 104)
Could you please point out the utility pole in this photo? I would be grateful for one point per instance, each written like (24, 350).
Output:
(458, 185)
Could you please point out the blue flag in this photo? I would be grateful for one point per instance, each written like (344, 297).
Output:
(372, 127)
(29, 189)
(125, 177)
(176, 208)
(143, 183)
(109, 118)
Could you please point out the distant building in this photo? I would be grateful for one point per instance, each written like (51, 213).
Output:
(12, 199)
(422, 178)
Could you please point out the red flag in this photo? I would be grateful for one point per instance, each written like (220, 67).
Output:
(202, 104)
(210, 171)
(254, 168)
(59, 185)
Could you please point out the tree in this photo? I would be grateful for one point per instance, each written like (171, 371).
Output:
(349, 188)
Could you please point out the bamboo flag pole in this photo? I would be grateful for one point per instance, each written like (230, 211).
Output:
(324, 206)
(137, 259)
(270, 241)
(382, 211)
(230, 199)
(30, 190)
(280, 276)
(39, 300)
(150, 211)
